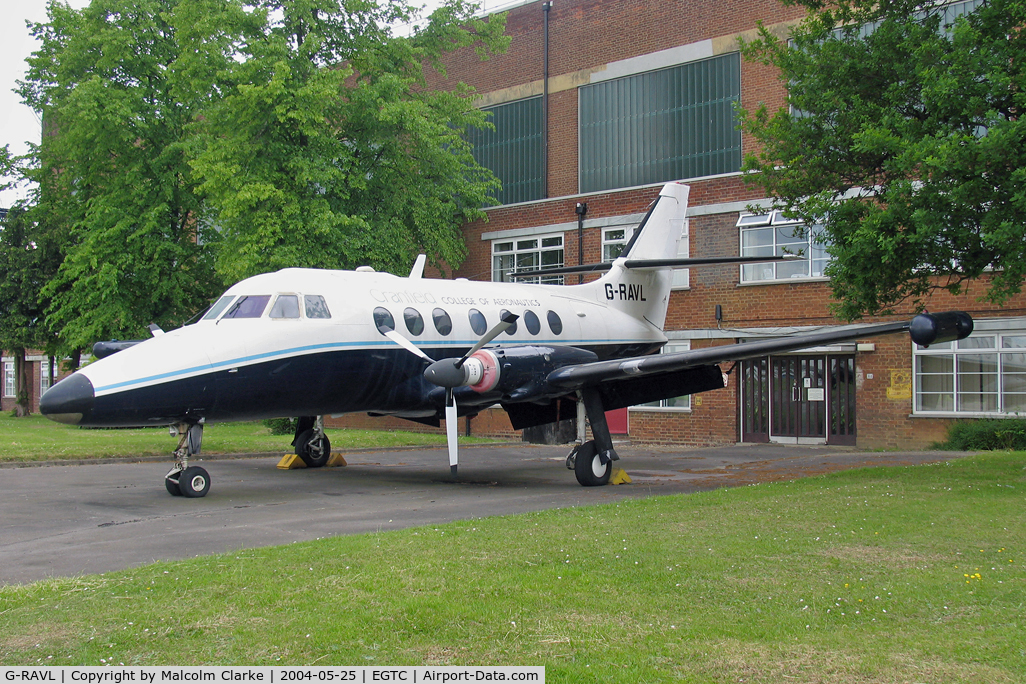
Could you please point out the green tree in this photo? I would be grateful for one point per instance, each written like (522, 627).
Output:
(23, 273)
(902, 135)
(112, 167)
(193, 142)
(329, 150)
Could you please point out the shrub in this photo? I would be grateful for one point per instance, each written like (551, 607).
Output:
(281, 426)
(986, 434)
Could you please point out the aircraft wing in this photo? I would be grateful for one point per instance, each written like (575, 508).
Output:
(623, 382)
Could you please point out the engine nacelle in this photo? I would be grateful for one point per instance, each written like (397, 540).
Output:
(520, 372)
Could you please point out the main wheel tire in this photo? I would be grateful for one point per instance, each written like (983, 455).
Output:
(194, 482)
(588, 466)
(313, 452)
(172, 486)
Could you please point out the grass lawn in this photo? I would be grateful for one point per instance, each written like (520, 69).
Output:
(36, 438)
(913, 574)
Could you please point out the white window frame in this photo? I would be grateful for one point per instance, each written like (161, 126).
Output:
(682, 276)
(683, 404)
(520, 246)
(615, 236)
(1007, 352)
(813, 256)
(9, 383)
(44, 375)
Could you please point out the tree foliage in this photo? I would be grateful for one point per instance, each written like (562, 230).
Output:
(190, 143)
(902, 135)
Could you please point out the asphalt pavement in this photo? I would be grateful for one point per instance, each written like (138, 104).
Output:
(60, 520)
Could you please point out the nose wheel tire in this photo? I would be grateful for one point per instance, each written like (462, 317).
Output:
(314, 451)
(194, 482)
(588, 466)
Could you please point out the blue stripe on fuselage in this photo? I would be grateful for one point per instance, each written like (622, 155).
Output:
(299, 351)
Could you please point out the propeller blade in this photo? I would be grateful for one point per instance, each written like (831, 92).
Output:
(500, 327)
(407, 345)
(451, 427)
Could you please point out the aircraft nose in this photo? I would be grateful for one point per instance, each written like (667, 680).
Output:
(69, 401)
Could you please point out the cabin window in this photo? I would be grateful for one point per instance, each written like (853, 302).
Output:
(443, 324)
(555, 323)
(383, 320)
(532, 322)
(285, 306)
(219, 306)
(248, 306)
(477, 322)
(316, 307)
(414, 321)
(512, 329)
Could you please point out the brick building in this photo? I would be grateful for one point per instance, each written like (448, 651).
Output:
(641, 92)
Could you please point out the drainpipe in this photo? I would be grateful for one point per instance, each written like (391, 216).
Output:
(546, 7)
(582, 209)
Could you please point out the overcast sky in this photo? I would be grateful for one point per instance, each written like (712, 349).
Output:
(18, 123)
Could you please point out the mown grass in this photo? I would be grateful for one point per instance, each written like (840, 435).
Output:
(36, 438)
(880, 575)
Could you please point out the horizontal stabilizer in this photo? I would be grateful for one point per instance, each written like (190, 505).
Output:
(649, 263)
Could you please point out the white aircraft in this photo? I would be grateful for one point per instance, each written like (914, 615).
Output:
(310, 343)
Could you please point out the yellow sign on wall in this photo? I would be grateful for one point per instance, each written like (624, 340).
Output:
(901, 385)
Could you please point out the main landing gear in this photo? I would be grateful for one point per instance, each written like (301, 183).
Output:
(312, 445)
(592, 462)
(185, 480)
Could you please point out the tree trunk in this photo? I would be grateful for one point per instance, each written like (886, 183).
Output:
(21, 385)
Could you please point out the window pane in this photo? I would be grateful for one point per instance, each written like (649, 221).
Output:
(1013, 341)
(285, 306)
(555, 324)
(414, 321)
(477, 322)
(977, 382)
(383, 320)
(443, 324)
(661, 125)
(977, 343)
(513, 150)
(531, 322)
(218, 307)
(512, 329)
(316, 307)
(251, 306)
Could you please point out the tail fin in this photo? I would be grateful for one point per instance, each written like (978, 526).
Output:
(645, 293)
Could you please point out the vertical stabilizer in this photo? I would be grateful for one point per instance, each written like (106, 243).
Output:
(645, 293)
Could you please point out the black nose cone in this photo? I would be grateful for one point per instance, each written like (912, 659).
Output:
(69, 401)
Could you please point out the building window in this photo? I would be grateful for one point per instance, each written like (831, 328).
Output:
(982, 374)
(662, 125)
(614, 240)
(774, 234)
(524, 254)
(44, 376)
(676, 403)
(513, 151)
(8, 378)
